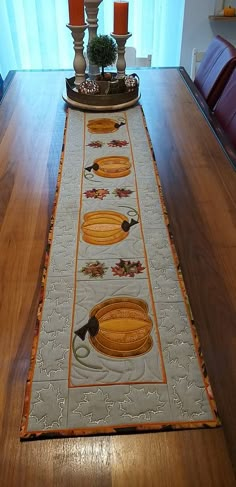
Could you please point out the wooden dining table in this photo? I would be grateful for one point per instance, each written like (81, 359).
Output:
(199, 187)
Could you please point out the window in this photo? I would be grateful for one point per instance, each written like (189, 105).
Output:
(33, 33)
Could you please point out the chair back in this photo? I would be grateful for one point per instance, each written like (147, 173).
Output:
(225, 110)
(215, 69)
(197, 57)
(133, 61)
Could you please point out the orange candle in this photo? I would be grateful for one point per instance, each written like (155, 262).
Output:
(121, 10)
(76, 12)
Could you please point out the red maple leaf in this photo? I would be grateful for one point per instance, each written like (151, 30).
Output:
(122, 192)
(117, 143)
(126, 268)
(96, 193)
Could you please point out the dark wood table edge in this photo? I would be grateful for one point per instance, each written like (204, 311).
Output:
(213, 123)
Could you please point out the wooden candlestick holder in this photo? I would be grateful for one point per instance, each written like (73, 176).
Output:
(91, 8)
(121, 40)
(79, 64)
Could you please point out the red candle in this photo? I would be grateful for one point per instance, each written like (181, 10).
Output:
(121, 10)
(76, 12)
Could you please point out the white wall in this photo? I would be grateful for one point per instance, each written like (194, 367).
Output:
(198, 30)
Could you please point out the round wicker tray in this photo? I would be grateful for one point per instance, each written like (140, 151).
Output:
(101, 102)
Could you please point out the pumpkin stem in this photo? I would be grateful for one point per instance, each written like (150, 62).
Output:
(126, 225)
(92, 327)
(95, 166)
(118, 125)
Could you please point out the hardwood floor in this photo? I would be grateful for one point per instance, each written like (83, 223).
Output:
(199, 187)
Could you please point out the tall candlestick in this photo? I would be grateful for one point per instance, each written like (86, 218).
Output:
(77, 32)
(91, 8)
(76, 12)
(121, 10)
(121, 64)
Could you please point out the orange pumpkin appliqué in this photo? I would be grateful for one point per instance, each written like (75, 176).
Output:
(122, 329)
(111, 167)
(103, 125)
(105, 227)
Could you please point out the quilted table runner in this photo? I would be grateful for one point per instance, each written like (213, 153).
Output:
(115, 348)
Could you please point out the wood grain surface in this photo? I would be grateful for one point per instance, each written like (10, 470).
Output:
(200, 189)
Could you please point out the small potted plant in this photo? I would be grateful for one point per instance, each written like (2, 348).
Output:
(102, 51)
